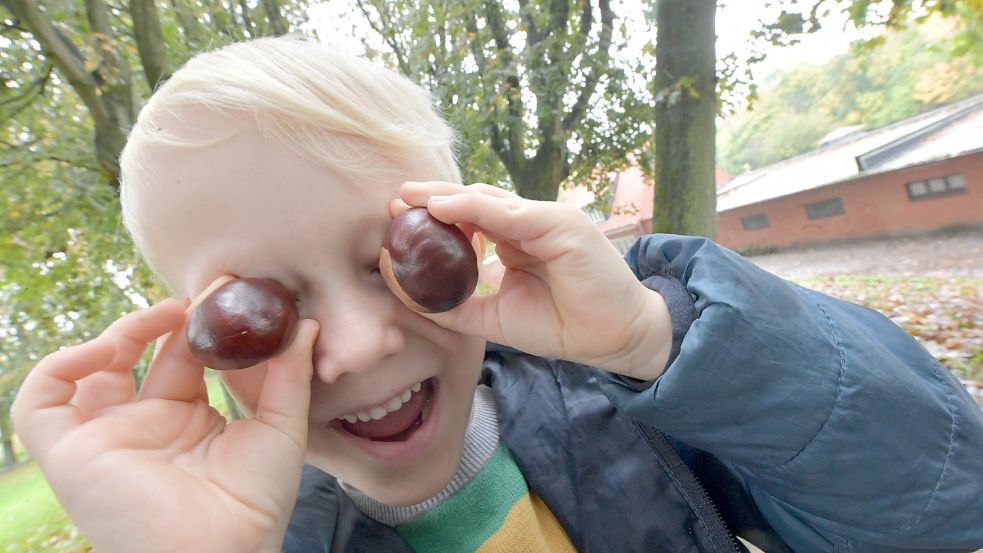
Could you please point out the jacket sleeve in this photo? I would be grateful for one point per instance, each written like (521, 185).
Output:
(847, 433)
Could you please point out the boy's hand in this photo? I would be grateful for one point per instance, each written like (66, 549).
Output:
(164, 472)
(566, 291)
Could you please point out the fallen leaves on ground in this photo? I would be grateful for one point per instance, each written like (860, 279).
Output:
(945, 314)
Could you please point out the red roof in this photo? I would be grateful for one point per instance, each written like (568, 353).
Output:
(634, 198)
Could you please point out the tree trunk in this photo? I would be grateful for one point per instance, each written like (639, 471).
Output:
(686, 104)
(150, 42)
(7, 436)
(539, 178)
(277, 23)
(106, 90)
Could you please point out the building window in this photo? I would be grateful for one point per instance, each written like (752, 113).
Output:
(624, 244)
(595, 214)
(825, 208)
(754, 222)
(933, 188)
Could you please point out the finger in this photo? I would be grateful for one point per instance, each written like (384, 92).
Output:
(480, 315)
(514, 258)
(160, 342)
(222, 279)
(43, 409)
(131, 334)
(397, 206)
(513, 218)
(42, 405)
(418, 193)
(174, 373)
(102, 389)
(285, 398)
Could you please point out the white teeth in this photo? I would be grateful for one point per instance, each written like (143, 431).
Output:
(394, 404)
(426, 411)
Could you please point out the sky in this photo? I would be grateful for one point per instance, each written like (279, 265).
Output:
(734, 23)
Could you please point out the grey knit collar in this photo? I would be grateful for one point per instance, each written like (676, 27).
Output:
(480, 442)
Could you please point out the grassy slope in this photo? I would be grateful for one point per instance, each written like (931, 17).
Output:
(31, 520)
(30, 517)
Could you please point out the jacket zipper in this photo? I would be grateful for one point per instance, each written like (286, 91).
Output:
(721, 537)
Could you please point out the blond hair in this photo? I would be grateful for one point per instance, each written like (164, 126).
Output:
(344, 112)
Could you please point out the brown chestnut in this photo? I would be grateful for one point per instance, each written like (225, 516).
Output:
(241, 323)
(430, 265)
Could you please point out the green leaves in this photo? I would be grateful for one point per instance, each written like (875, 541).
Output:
(914, 70)
(71, 82)
(944, 313)
(532, 88)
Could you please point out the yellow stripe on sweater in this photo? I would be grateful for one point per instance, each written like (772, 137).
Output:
(529, 527)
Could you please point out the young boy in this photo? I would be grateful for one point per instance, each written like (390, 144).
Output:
(662, 404)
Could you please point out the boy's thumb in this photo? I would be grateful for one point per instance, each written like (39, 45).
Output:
(286, 395)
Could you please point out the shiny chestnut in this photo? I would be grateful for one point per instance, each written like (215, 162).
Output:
(242, 323)
(430, 265)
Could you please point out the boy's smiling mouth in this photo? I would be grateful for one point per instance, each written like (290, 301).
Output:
(394, 421)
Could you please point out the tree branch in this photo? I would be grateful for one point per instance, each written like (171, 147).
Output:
(68, 60)
(27, 96)
(95, 11)
(59, 49)
(150, 41)
(12, 146)
(498, 144)
(28, 91)
(4, 27)
(556, 25)
(277, 22)
(578, 43)
(402, 60)
(221, 20)
(193, 28)
(600, 60)
(550, 71)
(533, 34)
(511, 88)
(247, 22)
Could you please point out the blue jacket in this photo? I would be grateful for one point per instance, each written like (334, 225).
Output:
(791, 418)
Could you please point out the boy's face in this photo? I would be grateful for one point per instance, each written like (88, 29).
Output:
(251, 208)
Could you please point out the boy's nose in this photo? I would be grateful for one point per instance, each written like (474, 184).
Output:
(356, 334)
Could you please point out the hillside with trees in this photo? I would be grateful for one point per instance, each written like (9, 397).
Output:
(905, 73)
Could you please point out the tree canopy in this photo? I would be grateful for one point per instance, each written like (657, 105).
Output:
(910, 71)
(535, 89)
(74, 74)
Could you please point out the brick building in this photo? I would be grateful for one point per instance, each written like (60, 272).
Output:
(919, 174)
(916, 175)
